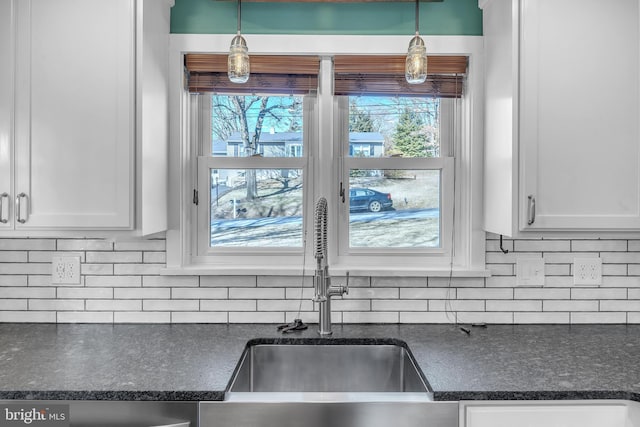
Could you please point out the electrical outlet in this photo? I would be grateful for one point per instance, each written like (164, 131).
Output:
(65, 270)
(587, 271)
(530, 272)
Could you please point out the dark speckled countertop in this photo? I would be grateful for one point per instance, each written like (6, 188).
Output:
(195, 362)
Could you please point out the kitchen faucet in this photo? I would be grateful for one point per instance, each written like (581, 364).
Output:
(321, 280)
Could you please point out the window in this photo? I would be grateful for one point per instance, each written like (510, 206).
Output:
(393, 162)
(401, 193)
(252, 172)
(396, 193)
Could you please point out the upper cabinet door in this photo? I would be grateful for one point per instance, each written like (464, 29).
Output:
(6, 107)
(579, 115)
(75, 111)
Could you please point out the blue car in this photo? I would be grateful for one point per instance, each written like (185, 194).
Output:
(365, 199)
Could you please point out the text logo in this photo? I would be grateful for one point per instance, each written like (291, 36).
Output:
(34, 415)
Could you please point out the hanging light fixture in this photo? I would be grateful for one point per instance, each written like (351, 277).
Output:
(415, 69)
(238, 68)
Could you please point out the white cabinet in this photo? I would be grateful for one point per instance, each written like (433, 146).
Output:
(562, 114)
(74, 113)
(6, 102)
(585, 413)
(75, 127)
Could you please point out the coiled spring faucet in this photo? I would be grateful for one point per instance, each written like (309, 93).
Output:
(321, 280)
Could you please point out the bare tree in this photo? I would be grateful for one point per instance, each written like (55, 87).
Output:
(235, 114)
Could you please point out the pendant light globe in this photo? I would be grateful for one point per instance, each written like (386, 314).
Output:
(238, 64)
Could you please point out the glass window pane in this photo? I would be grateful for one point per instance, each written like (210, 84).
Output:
(394, 126)
(256, 208)
(394, 208)
(270, 126)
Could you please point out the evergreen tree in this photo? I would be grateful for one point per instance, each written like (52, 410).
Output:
(360, 121)
(408, 137)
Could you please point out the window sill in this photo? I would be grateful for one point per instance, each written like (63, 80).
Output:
(202, 270)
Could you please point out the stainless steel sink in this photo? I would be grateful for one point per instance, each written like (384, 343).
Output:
(336, 369)
(328, 382)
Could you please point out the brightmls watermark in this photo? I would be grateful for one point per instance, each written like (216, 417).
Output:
(34, 415)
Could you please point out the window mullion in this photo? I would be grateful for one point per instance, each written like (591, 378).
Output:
(395, 163)
(255, 162)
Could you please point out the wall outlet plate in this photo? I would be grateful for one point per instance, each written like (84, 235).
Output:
(587, 271)
(65, 270)
(530, 272)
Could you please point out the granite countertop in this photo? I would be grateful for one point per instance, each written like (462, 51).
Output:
(195, 362)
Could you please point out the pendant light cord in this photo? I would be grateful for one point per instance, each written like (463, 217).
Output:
(239, 15)
(417, 17)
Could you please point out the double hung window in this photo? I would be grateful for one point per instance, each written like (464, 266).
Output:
(348, 128)
(396, 145)
(252, 142)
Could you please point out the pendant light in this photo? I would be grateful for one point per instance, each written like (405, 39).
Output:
(238, 68)
(415, 69)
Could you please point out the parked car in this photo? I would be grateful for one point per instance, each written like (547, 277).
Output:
(365, 199)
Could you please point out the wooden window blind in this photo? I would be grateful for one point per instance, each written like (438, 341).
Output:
(270, 74)
(384, 76)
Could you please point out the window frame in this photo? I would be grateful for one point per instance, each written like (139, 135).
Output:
(469, 239)
(202, 252)
(400, 258)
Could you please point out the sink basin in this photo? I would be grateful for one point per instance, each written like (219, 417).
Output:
(330, 367)
(319, 382)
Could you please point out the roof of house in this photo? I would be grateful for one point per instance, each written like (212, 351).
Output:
(284, 137)
(219, 147)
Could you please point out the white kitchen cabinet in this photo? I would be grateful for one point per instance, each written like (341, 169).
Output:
(83, 84)
(6, 102)
(74, 114)
(585, 413)
(562, 115)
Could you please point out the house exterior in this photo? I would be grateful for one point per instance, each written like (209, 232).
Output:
(289, 144)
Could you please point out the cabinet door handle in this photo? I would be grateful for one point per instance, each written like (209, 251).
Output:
(3, 196)
(19, 217)
(531, 210)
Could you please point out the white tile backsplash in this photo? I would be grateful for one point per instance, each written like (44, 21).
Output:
(27, 244)
(12, 280)
(142, 293)
(19, 304)
(121, 283)
(141, 317)
(256, 317)
(171, 305)
(113, 257)
(228, 305)
(513, 305)
(598, 245)
(457, 305)
(540, 318)
(84, 317)
(113, 305)
(199, 317)
(198, 293)
(570, 306)
(28, 316)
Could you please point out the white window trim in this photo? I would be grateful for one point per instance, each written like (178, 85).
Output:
(469, 236)
(206, 256)
(397, 257)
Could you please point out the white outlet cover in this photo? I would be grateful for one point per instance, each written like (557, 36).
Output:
(65, 269)
(587, 271)
(530, 272)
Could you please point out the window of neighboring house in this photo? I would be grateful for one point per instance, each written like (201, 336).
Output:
(295, 150)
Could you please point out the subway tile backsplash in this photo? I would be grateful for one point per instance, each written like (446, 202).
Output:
(120, 283)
